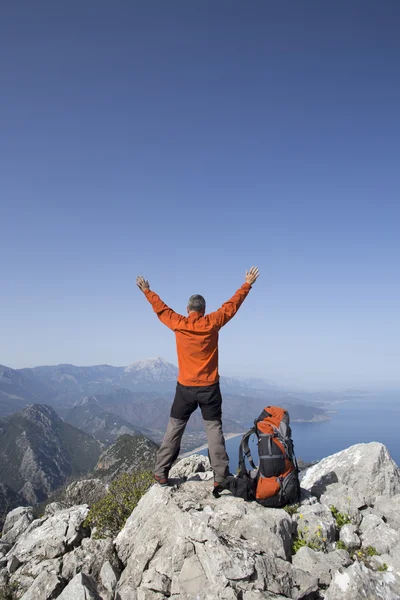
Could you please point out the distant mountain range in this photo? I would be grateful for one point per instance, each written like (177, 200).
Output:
(106, 401)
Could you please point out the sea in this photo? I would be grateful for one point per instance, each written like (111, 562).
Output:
(368, 418)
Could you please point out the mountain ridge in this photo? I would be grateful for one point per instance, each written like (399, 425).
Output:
(40, 451)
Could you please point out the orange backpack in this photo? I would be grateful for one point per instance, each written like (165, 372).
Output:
(275, 481)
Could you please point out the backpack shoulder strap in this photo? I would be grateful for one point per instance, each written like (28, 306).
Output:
(244, 452)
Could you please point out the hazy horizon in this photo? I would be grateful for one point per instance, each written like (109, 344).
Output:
(188, 142)
(285, 382)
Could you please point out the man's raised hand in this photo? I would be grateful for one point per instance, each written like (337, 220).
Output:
(142, 283)
(252, 275)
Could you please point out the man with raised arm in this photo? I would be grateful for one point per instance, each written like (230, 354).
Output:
(198, 377)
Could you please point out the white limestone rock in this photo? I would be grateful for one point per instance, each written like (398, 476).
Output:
(81, 587)
(388, 508)
(348, 535)
(17, 521)
(366, 470)
(359, 583)
(223, 547)
(375, 533)
(46, 586)
(319, 564)
(189, 466)
(49, 537)
(316, 524)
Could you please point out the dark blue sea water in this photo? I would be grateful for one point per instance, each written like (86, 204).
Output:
(363, 419)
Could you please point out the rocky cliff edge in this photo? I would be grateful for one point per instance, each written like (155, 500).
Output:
(341, 543)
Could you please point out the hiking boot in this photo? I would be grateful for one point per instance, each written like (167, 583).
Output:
(162, 481)
(217, 489)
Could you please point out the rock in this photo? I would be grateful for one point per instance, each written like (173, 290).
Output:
(262, 596)
(346, 501)
(13, 564)
(16, 523)
(392, 561)
(54, 507)
(25, 576)
(359, 583)
(216, 550)
(87, 491)
(375, 533)
(348, 535)
(316, 524)
(4, 577)
(81, 587)
(89, 557)
(45, 587)
(109, 576)
(388, 508)
(4, 547)
(189, 466)
(367, 470)
(49, 537)
(319, 564)
(33, 569)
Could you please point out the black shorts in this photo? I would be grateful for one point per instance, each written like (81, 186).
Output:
(188, 398)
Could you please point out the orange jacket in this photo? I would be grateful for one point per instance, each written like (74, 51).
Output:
(197, 337)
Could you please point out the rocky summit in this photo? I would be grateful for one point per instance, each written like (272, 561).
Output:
(341, 543)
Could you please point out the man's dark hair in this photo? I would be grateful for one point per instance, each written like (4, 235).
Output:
(197, 303)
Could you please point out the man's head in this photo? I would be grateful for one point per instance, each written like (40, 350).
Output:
(196, 304)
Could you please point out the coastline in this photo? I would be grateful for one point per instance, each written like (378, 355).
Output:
(227, 436)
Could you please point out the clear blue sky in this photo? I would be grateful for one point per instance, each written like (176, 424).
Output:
(188, 141)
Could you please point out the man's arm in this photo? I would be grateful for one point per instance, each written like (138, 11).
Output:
(166, 315)
(230, 308)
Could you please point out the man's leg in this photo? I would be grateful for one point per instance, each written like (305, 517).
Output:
(170, 447)
(210, 401)
(183, 406)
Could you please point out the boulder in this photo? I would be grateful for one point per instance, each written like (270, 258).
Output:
(89, 558)
(189, 466)
(319, 564)
(364, 470)
(17, 521)
(81, 587)
(359, 583)
(375, 533)
(389, 562)
(109, 576)
(182, 541)
(316, 525)
(54, 507)
(49, 537)
(262, 596)
(348, 535)
(346, 501)
(388, 508)
(25, 576)
(86, 491)
(45, 587)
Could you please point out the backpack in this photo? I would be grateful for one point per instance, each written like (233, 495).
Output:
(275, 481)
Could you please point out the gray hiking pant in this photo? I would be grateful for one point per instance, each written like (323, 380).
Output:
(187, 399)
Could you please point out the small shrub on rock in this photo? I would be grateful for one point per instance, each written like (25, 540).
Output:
(315, 542)
(341, 545)
(291, 509)
(341, 518)
(9, 591)
(109, 514)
